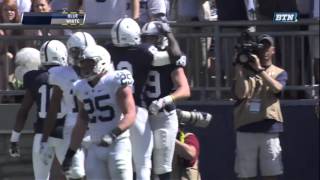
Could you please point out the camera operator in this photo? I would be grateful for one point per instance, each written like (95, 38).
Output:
(257, 115)
(187, 146)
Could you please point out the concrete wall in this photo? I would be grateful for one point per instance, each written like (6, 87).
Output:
(300, 143)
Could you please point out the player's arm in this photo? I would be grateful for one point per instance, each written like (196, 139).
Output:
(180, 81)
(173, 48)
(77, 135)
(182, 91)
(80, 128)
(128, 109)
(21, 118)
(54, 108)
(23, 111)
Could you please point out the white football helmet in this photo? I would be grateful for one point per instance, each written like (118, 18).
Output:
(76, 43)
(126, 32)
(105, 65)
(53, 52)
(26, 59)
(152, 29)
(101, 58)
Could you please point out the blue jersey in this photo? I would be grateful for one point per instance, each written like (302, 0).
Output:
(36, 82)
(159, 83)
(137, 60)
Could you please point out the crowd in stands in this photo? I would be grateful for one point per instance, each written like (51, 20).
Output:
(200, 51)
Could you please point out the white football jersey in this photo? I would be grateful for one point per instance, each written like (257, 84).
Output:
(64, 77)
(100, 102)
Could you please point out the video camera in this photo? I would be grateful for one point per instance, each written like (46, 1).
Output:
(247, 45)
(194, 118)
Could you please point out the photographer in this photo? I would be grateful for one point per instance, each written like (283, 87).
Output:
(257, 114)
(187, 146)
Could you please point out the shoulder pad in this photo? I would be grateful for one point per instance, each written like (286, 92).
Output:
(124, 77)
(55, 74)
(182, 61)
(152, 49)
(161, 58)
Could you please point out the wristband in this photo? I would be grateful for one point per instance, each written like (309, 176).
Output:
(70, 153)
(116, 132)
(168, 99)
(15, 136)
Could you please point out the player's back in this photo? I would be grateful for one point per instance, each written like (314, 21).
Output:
(137, 60)
(36, 82)
(64, 77)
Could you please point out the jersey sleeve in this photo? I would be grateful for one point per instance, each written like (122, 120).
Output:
(28, 79)
(55, 76)
(123, 78)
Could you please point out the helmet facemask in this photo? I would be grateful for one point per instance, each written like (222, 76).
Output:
(89, 69)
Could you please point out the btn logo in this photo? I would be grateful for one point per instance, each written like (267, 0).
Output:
(285, 17)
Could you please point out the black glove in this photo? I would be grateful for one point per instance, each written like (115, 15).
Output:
(14, 150)
(67, 162)
(107, 140)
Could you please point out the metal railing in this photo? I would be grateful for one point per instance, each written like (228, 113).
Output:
(292, 45)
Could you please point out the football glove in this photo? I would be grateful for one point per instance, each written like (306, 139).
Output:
(107, 140)
(67, 162)
(157, 105)
(14, 150)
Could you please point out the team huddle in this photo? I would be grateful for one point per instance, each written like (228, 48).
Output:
(106, 111)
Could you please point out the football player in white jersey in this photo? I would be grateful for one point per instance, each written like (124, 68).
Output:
(107, 109)
(128, 53)
(62, 79)
(52, 53)
(166, 84)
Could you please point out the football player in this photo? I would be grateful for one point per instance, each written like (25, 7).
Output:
(62, 80)
(52, 53)
(166, 84)
(128, 53)
(107, 109)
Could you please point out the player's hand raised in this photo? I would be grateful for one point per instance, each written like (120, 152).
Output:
(14, 150)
